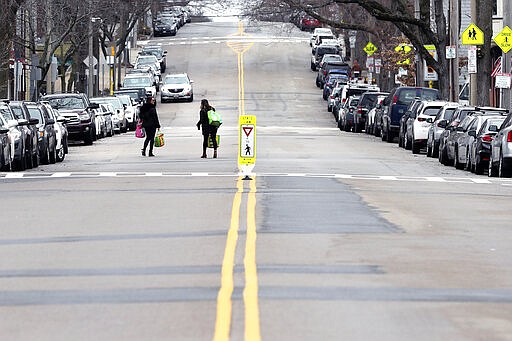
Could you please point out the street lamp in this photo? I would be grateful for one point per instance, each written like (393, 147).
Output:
(90, 77)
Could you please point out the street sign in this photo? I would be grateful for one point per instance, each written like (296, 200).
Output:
(94, 61)
(370, 48)
(403, 48)
(247, 143)
(472, 64)
(430, 74)
(352, 41)
(503, 81)
(450, 52)
(472, 35)
(504, 39)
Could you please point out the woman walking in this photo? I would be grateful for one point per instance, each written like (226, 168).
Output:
(208, 130)
(150, 122)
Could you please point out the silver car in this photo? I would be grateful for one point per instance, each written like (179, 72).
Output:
(436, 129)
(177, 86)
(500, 162)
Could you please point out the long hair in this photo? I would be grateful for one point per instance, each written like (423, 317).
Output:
(204, 104)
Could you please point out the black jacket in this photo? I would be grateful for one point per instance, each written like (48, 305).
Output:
(149, 116)
(203, 120)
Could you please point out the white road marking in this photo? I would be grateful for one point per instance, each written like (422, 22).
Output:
(366, 177)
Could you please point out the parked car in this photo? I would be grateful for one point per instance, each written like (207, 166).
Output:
(480, 148)
(137, 80)
(177, 86)
(447, 140)
(347, 113)
(319, 52)
(309, 24)
(47, 141)
(464, 142)
(130, 111)
(317, 31)
(165, 27)
(148, 60)
(437, 127)
(5, 147)
(61, 132)
(334, 96)
(370, 122)
(330, 58)
(340, 67)
(138, 95)
(79, 112)
(331, 81)
(18, 136)
(500, 161)
(367, 102)
(419, 122)
(402, 131)
(158, 52)
(108, 115)
(21, 112)
(118, 107)
(395, 105)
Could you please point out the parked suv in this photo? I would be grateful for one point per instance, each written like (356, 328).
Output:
(369, 94)
(341, 67)
(47, 138)
(500, 162)
(21, 112)
(18, 136)
(395, 105)
(319, 52)
(79, 112)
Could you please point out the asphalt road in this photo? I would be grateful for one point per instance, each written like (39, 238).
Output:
(337, 235)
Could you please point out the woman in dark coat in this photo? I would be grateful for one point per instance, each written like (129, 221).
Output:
(150, 122)
(208, 130)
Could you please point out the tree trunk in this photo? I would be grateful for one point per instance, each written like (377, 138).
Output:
(484, 22)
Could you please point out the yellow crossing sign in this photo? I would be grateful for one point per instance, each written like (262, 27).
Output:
(370, 48)
(504, 39)
(472, 35)
(246, 143)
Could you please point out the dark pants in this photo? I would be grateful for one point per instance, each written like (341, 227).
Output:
(212, 131)
(150, 138)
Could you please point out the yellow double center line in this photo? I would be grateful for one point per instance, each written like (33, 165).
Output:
(250, 294)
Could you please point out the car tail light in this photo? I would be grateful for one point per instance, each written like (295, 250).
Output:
(343, 100)
(421, 119)
(509, 136)
(487, 138)
(325, 72)
(360, 110)
(395, 99)
(331, 97)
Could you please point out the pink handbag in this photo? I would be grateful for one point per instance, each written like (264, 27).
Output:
(139, 131)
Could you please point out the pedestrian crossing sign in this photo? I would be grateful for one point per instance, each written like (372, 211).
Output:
(370, 48)
(504, 39)
(472, 35)
(247, 140)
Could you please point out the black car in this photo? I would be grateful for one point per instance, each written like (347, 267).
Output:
(319, 52)
(366, 103)
(47, 140)
(79, 112)
(342, 67)
(395, 106)
(5, 148)
(31, 148)
(165, 27)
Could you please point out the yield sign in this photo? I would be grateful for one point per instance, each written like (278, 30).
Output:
(247, 130)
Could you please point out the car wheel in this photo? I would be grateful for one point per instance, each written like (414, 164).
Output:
(442, 156)
(478, 168)
(60, 154)
(467, 165)
(88, 139)
(456, 162)
(29, 161)
(46, 156)
(53, 156)
(415, 147)
(493, 171)
(191, 99)
(429, 150)
(35, 160)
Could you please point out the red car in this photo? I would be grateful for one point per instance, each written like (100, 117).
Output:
(309, 24)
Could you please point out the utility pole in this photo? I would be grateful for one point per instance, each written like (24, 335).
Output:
(454, 41)
(505, 64)
(90, 75)
(473, 78)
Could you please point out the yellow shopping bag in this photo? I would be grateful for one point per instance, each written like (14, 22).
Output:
(159, 139)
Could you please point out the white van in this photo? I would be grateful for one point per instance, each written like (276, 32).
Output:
(318, 31)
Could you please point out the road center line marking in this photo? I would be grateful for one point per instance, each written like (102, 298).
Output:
(224, 302)
(252, 314)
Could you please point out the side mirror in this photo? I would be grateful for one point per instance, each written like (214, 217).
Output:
(94, 106)
(61, 119)
(22, 122)
(165, 52)
(125, 106)
(4, 130)
(472, 133)
(33, 121)
(430, 120)
(442, 124)
(459, 129)
(494, 128)
(191, 81)
(50, 121)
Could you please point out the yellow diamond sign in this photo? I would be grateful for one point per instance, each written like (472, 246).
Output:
(370, 48)
(403, 48)
(472, 35)
(504, 39)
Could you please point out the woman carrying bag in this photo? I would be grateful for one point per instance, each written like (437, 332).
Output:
(150, 123)
(207, 129)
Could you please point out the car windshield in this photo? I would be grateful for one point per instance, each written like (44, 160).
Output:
(431, 111)
(354, 102)
(324, 50)
(406, 96)
(133, 95)
(448, 113)
(494, 122)
(66, 103)
(175, 80)
(148, 59)
(137, 82)
(155, 52)
(125, 100)
(116, 102)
